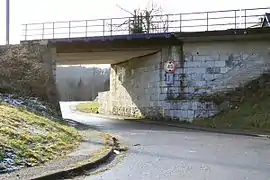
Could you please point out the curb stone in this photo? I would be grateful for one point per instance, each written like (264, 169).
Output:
(197, 128)
(78, 169)
(69, 170)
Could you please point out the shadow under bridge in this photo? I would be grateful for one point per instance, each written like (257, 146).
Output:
(110, 50)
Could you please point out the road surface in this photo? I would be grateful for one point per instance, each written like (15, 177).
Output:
(168, 153)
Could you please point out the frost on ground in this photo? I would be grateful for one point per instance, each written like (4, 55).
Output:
(30, 103)
(8, 161)
(31, 134)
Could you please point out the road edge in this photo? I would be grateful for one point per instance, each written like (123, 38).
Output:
(183, 126)
(197, 128)
(78, 169)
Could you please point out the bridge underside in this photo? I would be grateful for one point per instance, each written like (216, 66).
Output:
(113, 50)
(101, 57)
(116, 49)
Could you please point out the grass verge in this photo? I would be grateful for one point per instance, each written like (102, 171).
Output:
(249, 110)
(35, 139)
(88, 107)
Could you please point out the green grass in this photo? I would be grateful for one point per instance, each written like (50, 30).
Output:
(88, 107)
(34, 137)
(250, 109)
(2, 155)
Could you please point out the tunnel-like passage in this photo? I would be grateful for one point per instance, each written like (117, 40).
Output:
(139, 87)
(120, 50)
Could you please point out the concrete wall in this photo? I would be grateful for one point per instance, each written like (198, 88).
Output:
(224, 65)
(104, 101)
(135, 86)
(141, 88)
(28, 69)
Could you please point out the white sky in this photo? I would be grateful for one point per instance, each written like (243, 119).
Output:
(31, 11)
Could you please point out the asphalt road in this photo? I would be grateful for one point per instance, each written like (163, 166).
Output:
(168, 153)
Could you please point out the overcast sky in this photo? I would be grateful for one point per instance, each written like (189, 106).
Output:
(30, 11)
(38, 11)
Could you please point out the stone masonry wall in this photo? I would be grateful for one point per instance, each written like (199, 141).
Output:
(27, 69)
(104, 102)
(222, 66)
(141, 88)
(135, 87)
(176, 103)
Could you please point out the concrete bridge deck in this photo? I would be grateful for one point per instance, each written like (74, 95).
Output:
(116, 49)
(110, 41)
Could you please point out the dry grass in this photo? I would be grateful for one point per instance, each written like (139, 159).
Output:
(250, 108)
(88, 107)
(34, 137)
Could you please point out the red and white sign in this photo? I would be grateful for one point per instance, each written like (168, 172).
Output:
(169, 66)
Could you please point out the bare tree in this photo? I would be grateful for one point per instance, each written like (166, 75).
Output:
(146, 20)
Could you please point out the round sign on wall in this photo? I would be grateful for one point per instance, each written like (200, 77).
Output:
(169, 66)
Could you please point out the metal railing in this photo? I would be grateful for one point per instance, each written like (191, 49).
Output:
(182, 22)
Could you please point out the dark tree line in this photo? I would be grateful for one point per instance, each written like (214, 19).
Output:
(76, 83)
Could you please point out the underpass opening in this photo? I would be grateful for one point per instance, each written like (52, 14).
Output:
(81, 82)
(139, 86)
(77, 81)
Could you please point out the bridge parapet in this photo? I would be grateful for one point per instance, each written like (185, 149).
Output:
(181, 22)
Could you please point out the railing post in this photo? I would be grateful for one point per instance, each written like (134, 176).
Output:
(167, 28)
(103, 27)
(7, 21)
(207, 21)
(42, 30)
(25, 33)
(235, 12)
(86, 28)
(180, 23)
(245, 18)
(53, 30)
(69, 25)
(129, 31)
(111, 29)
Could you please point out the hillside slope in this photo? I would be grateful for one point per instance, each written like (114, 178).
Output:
(249, 107)
(29, 138)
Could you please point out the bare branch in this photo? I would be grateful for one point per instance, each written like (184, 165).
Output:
(146, 20)
(124, 9)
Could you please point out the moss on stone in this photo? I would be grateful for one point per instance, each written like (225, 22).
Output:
(138, 116)
(180, 97)
(216, 98)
